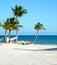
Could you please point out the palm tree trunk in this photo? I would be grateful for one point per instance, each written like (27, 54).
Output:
(9, 36)
(35, 37)
(17, 29)
(5, 35)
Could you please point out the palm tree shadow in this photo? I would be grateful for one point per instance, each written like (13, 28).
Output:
(49, 49)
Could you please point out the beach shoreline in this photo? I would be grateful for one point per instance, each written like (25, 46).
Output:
(15, 54)
(29, 46)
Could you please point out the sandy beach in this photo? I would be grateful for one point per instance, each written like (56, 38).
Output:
(15, 54)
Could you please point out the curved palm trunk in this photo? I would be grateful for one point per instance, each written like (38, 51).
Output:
(17, 29)
(35, 37)
(5, 35)
(9, 36)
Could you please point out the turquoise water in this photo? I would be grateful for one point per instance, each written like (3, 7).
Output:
(42, 39)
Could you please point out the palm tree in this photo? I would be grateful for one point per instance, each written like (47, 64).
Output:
(18, 12)
(38, 27)
(5, 26)
(12, 26)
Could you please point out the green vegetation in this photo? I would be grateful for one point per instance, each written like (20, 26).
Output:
(13, 23)
(18, 12)
(5, 27)
(10, 24)
(38, 27)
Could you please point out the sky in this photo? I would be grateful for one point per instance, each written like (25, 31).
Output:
(43, 11)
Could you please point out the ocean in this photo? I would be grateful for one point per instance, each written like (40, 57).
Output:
(41, 39)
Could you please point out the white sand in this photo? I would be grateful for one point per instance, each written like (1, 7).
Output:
(14, 54)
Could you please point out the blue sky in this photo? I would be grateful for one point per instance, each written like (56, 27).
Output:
(44, 11)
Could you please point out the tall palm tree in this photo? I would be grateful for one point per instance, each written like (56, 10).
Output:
(12, 26)
(5, 26)
(38, 27)
(18, 12)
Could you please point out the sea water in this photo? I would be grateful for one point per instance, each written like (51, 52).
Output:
(41, 39)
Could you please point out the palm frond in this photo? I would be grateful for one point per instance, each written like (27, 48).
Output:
(39, 26)
(19, 11)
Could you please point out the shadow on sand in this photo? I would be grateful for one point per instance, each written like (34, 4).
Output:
(49, 49)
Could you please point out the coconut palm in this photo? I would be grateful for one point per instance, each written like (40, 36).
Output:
(38, 27)
(5, 26)
(12, 26)
(18, 12)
